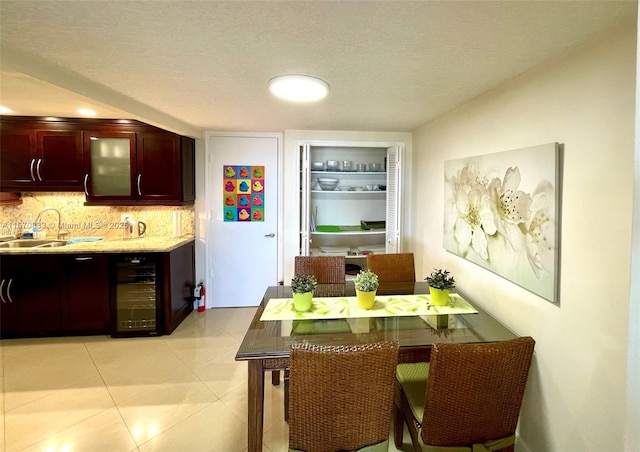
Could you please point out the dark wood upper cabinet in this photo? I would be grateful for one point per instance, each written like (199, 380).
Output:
(188, 169)
(61, 159)
(152, 168)
(158, 167)
(115, 162)
(165, 168)
(17, 157)
(40, 160)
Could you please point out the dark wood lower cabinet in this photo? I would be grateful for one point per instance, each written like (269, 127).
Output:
(70, 294)
(30, 295)
(177, 285)
(85, 302)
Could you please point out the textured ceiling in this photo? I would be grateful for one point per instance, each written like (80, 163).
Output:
(204, 65)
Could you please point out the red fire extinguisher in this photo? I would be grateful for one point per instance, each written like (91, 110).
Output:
(199, 295)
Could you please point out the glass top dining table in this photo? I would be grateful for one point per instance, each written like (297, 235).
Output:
(267, 344)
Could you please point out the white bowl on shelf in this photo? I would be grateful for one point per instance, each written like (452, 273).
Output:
(327, 183)
(333, 165)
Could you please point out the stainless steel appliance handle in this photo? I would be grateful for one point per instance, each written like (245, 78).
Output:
(33, 176)
(86, 179)
(9, 290)
(139, 179)
(38, 169)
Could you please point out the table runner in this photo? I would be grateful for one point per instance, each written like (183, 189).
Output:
(347, 307)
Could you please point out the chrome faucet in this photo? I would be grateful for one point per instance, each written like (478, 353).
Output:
(62, 234)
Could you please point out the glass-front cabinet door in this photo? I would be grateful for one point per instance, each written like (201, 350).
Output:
(110, 172)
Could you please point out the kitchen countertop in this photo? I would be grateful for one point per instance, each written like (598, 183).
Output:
(109, 245)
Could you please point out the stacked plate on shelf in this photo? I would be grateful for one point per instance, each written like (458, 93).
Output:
(334, 249)
(372, 249)
(368, 224)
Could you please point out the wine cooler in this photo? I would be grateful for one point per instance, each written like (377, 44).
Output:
(135, 297)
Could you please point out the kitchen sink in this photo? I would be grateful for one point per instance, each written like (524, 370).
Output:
(32, 243)
(53, 243)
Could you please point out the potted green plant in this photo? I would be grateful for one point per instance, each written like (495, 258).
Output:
(302, 287)
(366, 283)
(440, 282)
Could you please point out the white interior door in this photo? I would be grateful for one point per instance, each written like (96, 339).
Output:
(242, 250)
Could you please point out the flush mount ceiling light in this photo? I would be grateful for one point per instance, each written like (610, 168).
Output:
(298, 88)
(85, 112)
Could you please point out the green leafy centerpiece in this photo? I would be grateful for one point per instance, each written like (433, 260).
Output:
(440, 282)
(302, 287)
(366, 283)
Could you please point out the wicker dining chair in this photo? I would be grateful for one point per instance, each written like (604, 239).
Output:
(341, 396)
(396, 267)
(326, 269)
(468, 396)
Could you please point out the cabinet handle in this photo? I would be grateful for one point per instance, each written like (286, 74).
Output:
(1, 286)
(9, 291)
(270, 235)
(33, 162)
(85, 258)
(139, 179)
(86, 178)
(38, 169)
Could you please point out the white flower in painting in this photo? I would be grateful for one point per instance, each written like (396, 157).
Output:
(460, 182)
(466, 179)
(475, 220)
(541, 233)
(511, 206)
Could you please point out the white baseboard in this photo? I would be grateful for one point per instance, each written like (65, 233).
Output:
(520, 445)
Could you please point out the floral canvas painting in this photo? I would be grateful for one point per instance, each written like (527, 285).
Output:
(501, 211)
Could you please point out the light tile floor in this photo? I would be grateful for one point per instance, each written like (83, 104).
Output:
(183, 392)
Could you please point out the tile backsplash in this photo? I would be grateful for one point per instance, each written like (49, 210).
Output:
(91, 221)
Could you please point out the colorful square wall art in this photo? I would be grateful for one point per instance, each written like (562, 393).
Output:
(501, 211)
(243, 193)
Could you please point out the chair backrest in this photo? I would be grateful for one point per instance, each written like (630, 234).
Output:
(326, 269)
(340, 397)
(330, 290)
(397, 267)
(474, 391)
